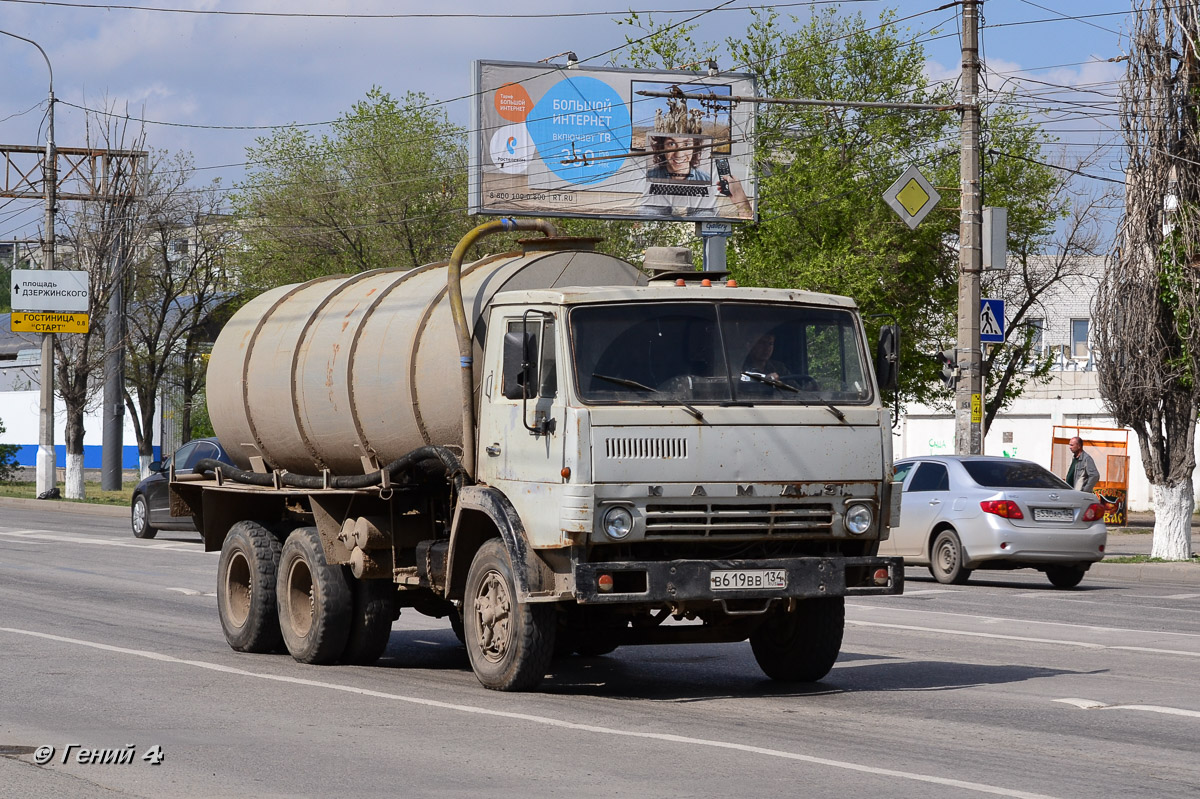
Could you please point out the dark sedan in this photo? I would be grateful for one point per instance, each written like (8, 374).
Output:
(150, 510)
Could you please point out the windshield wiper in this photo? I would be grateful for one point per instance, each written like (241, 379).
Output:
(770, 381)
(622, 381)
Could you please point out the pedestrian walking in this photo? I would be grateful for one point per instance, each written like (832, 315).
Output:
(1082, 474)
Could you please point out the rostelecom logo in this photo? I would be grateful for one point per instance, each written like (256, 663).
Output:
(512, 149)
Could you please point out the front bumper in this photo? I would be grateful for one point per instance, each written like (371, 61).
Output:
(637, 582)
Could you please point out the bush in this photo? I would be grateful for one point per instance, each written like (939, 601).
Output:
(8, 459)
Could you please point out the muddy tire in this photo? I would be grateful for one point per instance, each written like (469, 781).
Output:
(509, 643)
(139, 518)
(313, 599)
(946, 559)
(802, 644)
(370, 620)
(246, 588)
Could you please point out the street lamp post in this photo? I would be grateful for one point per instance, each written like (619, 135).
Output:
(46, 467)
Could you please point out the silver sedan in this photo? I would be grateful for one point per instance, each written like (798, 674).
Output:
(959, 513)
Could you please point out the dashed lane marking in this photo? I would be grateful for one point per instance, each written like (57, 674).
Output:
(976, 787)
(1091, 704)
(46, 535)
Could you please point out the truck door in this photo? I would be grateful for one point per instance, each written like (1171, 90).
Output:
(520, 423)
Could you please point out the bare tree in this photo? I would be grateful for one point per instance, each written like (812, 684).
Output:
(1147, 311)
(176, 278)
(1039, 267)
(95, 238)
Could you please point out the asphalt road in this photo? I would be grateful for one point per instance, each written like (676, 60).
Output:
(1002, 687)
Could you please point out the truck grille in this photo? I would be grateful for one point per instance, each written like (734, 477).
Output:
(738, 520)
(645, 448)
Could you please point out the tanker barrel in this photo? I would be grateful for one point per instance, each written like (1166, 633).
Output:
(351, 373)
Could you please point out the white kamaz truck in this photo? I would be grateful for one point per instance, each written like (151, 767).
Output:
(557, 453)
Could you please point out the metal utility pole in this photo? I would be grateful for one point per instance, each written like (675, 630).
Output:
(112, 451)
(968, 394)
(46, 468)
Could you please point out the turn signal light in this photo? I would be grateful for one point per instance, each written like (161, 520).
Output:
(605, 583)
(881, 577)
(1093, 512)
(1002, 507)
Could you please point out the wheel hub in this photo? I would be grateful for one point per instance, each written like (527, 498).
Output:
(493, 612)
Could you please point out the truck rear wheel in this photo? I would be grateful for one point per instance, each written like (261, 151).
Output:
(509, 643)
(246, 588)
(314, 601)
(370, 622)
(800, 645)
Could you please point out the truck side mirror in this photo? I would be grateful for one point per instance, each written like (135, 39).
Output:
(887, 358)
(520, 365)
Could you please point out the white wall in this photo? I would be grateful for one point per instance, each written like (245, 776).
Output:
(20, 412)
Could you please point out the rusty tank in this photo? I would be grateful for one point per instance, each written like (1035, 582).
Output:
(348, 373)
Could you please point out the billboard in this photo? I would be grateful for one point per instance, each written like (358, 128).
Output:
(582, 141)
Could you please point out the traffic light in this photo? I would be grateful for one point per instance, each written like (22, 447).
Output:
(949, 367)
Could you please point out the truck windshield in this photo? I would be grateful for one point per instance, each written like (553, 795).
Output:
(729, 352)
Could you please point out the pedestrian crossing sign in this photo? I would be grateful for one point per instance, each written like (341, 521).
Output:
(991, 321)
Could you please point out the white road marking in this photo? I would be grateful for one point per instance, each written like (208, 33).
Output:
(929, 591)
(1176, 596)
(1025, 638)
(890, 608)
(1091, 704)
(191, 592)
(976, 787)
(45, 535)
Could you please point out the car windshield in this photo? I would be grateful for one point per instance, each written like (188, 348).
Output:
(1012, 474)
(726, 352)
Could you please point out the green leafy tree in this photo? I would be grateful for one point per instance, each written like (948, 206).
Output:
(8, 459)
(822, 172)
(387, 187)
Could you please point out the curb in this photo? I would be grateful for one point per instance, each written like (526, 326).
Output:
(65, 506)
(1148, 572)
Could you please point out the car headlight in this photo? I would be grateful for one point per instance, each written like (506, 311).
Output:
(617, 522)
(858, 519)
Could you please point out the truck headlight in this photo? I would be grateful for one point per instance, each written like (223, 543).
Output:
(617, 522)
(858, 519)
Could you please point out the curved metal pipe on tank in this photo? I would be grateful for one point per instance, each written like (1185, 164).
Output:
(462, 328)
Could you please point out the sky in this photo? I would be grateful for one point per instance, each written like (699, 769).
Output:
(209, 76)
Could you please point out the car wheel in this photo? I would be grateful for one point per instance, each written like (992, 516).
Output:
(946, 559)
(509, 642)
(314, 602)
(1064, 576)
(139, 518)
(246, 588)
(801, 644)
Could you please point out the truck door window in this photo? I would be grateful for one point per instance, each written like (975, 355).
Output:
(530, 342)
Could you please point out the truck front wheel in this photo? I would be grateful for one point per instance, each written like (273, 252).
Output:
(800, 644)
(246, 588)
(509, 643)
(314, 600)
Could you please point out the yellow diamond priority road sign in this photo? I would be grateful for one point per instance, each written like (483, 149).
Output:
(912, 197)
(49, 322)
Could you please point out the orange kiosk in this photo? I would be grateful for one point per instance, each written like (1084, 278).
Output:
(1109, 447)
